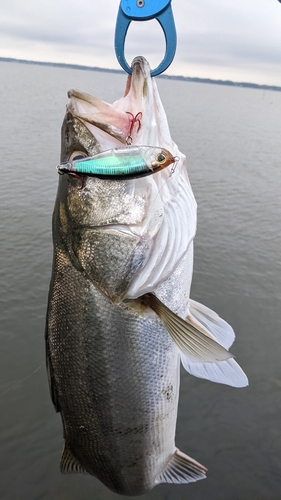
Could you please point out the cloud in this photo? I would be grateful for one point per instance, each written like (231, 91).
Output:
(235, 38)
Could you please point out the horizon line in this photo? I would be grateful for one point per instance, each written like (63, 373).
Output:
(120, 71)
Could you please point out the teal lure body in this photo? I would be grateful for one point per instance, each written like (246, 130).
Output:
(119, 163)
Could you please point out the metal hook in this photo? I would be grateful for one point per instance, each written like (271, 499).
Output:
(143, 10)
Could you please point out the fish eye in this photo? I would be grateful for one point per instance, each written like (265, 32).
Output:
(161, 158)
(77, 155)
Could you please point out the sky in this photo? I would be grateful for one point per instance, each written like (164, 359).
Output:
(238, 40)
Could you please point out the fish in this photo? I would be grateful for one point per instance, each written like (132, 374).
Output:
(130, 162)
(120, 319)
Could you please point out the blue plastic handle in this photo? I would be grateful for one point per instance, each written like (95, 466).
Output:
(143, 10)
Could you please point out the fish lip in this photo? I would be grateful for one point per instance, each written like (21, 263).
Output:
(139, 61)
(140, 70)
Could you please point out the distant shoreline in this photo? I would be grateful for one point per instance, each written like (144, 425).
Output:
(170, 77)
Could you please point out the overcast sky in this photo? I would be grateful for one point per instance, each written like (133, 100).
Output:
(239, 40)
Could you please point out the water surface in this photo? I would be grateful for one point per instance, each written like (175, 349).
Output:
(231, 137)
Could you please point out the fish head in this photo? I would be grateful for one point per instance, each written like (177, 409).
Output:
(126, 236)
(103, 227)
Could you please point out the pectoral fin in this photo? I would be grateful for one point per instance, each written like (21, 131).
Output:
(199, 346)
(225, 372)
(181, 469)
(204, 318)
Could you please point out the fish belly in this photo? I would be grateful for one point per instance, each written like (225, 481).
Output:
(116, 380)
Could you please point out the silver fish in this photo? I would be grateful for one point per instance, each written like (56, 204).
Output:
(119, 316)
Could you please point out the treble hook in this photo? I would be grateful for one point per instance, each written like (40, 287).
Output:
(133, 120)
(143, 10)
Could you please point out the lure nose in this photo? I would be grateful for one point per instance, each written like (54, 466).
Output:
(63, 168)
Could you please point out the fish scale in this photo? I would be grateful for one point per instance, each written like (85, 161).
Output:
(101, 357)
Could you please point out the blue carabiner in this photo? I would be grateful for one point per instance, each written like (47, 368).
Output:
(143, 10)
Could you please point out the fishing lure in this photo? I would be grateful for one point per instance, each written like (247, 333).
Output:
(119, 163)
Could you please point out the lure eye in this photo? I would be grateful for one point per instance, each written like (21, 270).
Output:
(77, 155)
(161, 158)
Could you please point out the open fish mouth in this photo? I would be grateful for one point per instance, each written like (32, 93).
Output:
(155, 214)
(114, 120)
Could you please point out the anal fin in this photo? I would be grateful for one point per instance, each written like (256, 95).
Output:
(68, 463)
(181, 469)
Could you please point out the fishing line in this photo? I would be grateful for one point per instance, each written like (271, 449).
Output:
(172, 170)
(34, 371)
(37, 369)
(20, 381)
